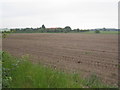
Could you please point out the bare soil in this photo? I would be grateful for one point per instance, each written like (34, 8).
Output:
(82, 53)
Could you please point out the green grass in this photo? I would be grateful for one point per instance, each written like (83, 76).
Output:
(87, 32)
(21, 73)
(101, 32)
(109, 32)
(0, 70)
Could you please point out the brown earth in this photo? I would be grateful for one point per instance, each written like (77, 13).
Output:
(82, 53)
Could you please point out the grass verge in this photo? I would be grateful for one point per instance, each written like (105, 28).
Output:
(21, 73)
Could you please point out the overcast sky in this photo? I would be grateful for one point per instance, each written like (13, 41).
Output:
(83, 14)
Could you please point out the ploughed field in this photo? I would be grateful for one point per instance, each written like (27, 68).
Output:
(86, 54)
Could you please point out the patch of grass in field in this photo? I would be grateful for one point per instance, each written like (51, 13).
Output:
(109, 32)
(21, 73)
(4, 35)
(87, 32)
(101, 32)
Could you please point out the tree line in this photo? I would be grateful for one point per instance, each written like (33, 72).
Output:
(43, 29)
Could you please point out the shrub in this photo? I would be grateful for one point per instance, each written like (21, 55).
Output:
(97, 31)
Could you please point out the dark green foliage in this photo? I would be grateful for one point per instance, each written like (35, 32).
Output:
(8, 66)
(6, 32)
(42, 29)
(67, 29)
(104, 29)
(43, 26)
(78, 30)
(84, 30)
(97, 31)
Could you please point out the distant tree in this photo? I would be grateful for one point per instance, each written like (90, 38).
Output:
(12, 30)
(67, 29)
(43, 26)
(42, 30)
(78, 30)
(104, 29)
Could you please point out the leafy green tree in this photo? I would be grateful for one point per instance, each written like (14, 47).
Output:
(78, 30)
(43, 26)
(104, 29)
(67, 29)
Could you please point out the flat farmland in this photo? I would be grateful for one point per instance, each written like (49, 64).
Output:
(86, 54)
